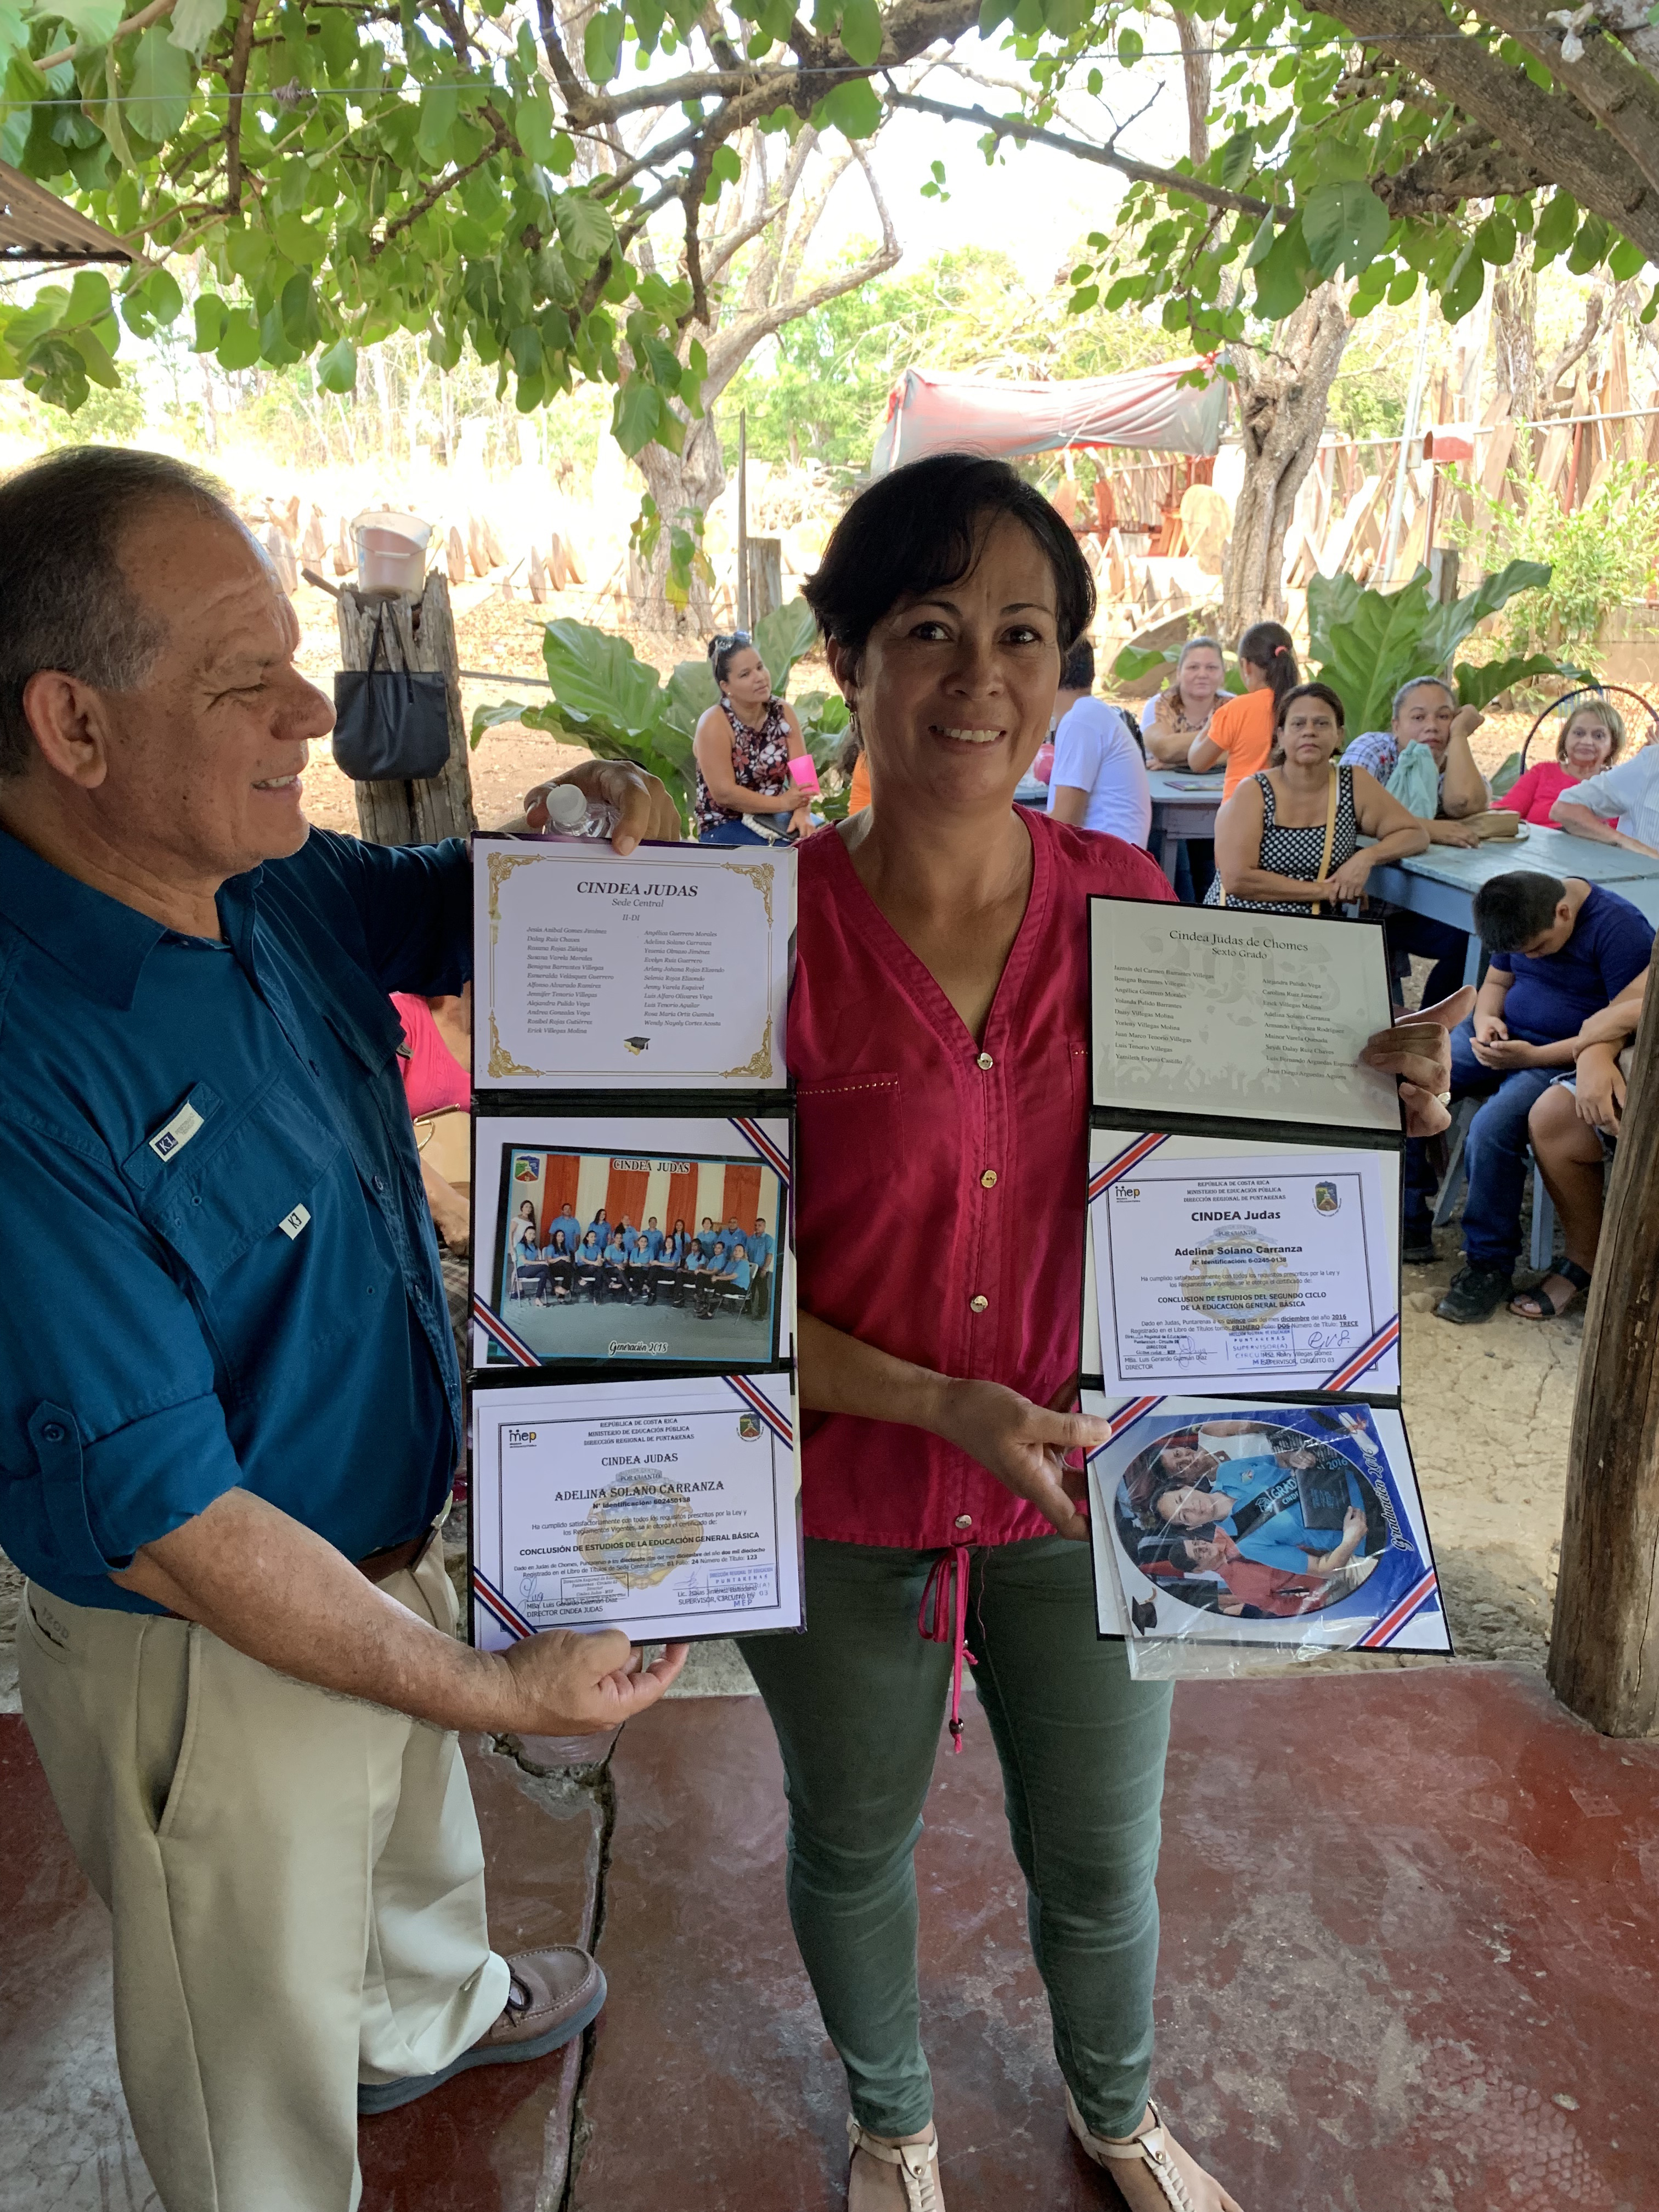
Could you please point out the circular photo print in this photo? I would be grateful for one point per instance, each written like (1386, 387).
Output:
(1248, 1517)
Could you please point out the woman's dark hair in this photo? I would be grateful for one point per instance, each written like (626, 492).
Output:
(524, 1207)
(1303, 691)
(558, 1239)
(921, 527)
(723, 649)
(1268, 645)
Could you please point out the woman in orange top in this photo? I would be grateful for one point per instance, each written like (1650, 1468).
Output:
(1242, 731)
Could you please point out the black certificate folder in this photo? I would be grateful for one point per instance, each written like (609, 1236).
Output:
(1220, 1019)
(632, 1235)
(1245, 1185)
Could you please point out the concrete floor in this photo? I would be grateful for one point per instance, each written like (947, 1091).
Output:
(1410, 1934)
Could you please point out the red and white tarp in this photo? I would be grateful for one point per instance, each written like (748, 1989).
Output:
(929, 412)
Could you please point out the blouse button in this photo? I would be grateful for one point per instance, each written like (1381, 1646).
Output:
(986, 1060)
(988, 1180)
(978, 1304)
(964, 1520)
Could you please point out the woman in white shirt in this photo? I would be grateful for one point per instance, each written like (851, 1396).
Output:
(1098, 779)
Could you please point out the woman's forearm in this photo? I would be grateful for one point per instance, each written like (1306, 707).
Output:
(1260, 885)
(1398, 845)
(842, 1374)
(1202, 755)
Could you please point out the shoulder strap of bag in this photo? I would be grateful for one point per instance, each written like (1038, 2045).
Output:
(1318, 905)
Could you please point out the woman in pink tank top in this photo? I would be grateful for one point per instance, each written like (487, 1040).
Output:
(938, 1037)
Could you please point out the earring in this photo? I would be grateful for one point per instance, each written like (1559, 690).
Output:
(853, 729)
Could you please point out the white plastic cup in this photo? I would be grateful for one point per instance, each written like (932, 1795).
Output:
(390, 552)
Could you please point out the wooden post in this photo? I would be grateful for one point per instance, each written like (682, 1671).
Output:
(765, 578)
(417, 634)
(743, 517)
(1604, 1645)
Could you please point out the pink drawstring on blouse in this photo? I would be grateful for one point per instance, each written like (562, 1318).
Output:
(952, 1566)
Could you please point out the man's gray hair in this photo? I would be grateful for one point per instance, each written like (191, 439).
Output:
(1416, 683)
(64, 603)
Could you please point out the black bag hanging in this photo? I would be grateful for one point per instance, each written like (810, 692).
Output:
(391, 725)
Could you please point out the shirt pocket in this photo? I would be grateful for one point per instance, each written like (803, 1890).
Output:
(247, 1172)
(850, 1135)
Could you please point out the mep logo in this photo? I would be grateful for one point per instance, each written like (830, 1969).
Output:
(1125, 1190)
(517, 1437)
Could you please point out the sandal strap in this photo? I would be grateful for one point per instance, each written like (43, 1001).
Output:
(1571, 1272)
(915, 2161)
(1148, 2148)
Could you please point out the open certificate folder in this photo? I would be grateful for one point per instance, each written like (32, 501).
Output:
(666, 1507)
(1241, 1321)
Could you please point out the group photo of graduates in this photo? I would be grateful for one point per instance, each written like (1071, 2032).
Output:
(601, 1256)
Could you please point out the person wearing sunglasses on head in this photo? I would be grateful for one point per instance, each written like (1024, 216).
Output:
(743, 746)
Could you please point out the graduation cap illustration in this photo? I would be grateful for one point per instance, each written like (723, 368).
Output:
(637, 1045)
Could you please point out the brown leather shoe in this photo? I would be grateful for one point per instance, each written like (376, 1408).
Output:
(554, 1996)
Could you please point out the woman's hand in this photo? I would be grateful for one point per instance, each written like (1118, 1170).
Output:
(1023, 1446)
(1422, 1076)
(1349, 879)
(1445, 832)
(644, 807)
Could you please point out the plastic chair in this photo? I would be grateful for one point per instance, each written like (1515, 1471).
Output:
(1594, 691)
(1543, 1207)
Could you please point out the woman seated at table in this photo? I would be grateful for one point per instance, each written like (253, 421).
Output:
(1181, 711)
(1592, 740)
(1288, 840)
(590, 1267)
(1241, 732)
(560, 1264)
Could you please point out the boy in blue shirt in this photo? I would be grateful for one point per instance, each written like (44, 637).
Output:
(1560, 951)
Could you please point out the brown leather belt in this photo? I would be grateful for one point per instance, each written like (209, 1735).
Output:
(380, 1566)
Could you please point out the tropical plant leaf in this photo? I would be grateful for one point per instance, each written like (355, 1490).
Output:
(485, 719)
(601, 687)
(1478, 685)
(823, 717)
(1448, 626)
(783, 638)
(1507, 774)
(692, 691)
(1135, 661)
(1365, 644)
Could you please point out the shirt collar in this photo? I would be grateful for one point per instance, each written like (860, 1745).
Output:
(101, 944)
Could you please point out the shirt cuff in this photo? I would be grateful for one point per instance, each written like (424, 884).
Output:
(105, 1498)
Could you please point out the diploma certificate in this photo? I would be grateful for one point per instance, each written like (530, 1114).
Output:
(1270, 1269)
(667, 1508)
(668, 970)
(1290, 1528)
(1213, 1012)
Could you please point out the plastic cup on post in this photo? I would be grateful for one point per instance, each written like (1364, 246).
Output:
(804, 771)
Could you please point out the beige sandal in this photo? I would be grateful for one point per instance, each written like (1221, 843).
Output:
(915, 2162)
(1147, 2149)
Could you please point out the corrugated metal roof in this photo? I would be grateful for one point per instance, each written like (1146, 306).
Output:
(36, 226)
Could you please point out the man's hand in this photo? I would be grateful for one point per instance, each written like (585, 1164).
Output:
(569, 1683)
(644, 808)
(1444, 831)
(1023, 1446)
(1599, 1088)
(1422, 1075)
(1506, 1052)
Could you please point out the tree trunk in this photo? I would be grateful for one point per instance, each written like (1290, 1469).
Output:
(1515, 310)
(694, 477)
(1604, 1645)
(1282, 397)
(1196, 49)
(417, 634)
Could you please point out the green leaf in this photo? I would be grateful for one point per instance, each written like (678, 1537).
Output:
(860, 32)
(1494, 240)
(533, 122)
(1477, 686)
(783, 637)
(162, 82)
(440, 106)
(1625, 260)
(93, 22)
(1237, 160)
(239, 341)
(1555, 228)
(852, 108)
(602, 44)
(613, 702)
(1346, 226)
(337, 369)
(1284, 275)
(1448, 626)
(1130, 47)
(586, 231)
(209, 323)
(1135, 661)
(194, 22)
(1366, 643)
(1589, 247)
(485, 719)
(636, 416)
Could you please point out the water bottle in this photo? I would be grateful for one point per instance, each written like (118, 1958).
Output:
(571, 813)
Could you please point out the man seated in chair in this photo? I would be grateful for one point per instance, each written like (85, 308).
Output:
(1560, 951)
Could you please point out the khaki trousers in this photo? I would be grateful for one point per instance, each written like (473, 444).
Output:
(295, 1881)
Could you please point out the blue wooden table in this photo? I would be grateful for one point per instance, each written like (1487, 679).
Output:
(1442, 882)
(1183, 806)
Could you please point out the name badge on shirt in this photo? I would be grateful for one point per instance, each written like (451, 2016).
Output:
(175, 1134)
(292, 1223)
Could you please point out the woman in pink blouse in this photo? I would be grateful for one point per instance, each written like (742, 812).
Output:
(939, 1037)
(1592, 740)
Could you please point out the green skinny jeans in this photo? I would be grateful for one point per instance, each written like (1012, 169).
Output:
(858, 1703)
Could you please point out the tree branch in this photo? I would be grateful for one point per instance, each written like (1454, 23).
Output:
(241, 47)
(1603, 78)
(1468, 166)
(133, 25)
(1010, 126)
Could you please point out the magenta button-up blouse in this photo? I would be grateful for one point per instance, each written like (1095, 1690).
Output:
(941, 1183)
